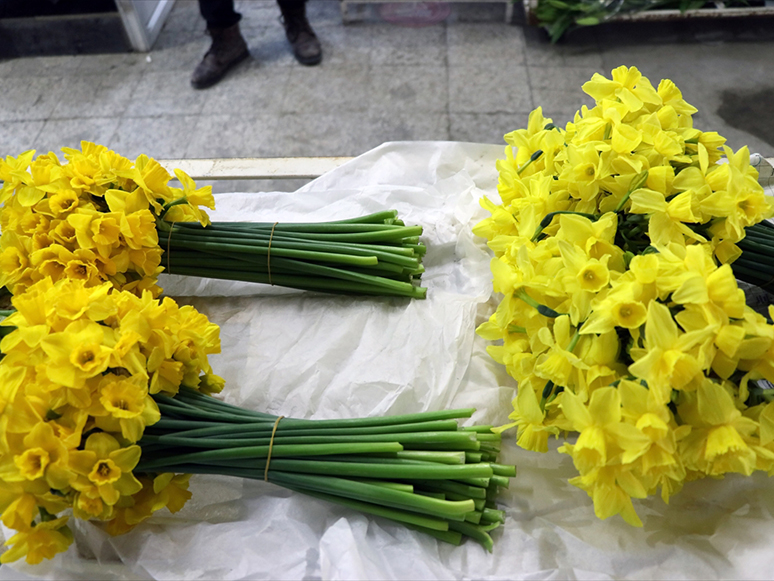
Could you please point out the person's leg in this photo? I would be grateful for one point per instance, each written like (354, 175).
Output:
(228, 47)
(306, 46)
(219, 13)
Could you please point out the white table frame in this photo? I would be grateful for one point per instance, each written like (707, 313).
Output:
(264, 168)
(255, 168)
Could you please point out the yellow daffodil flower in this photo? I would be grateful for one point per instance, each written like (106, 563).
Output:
(104, 467)
(42, 541)
(44, 456)
(77, 353)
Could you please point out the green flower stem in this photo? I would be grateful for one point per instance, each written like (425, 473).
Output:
(239, 237)
(458, 440)
(481, 428)
(479, 503)
(172, 204)
(751, 275)
(464, 490)
(476, 532)
(260, 264)
(359, 422)
(256, 420)
(205, 415)
(306, 227)
(394, 234)
(759, 231)
(534, 157)
(503, 470)
(375, 255)
(450, 509)
(291, 248)
(425, 471)
(637, 182)
(179, 255)
(237, 431)
(765, 241)
(243, 430)
(368, 495)
(754, 258)
(306, 283)
(418, 469)
(501, 481)
(756, 262)
(491, 515)
(205, 246)
(401, 516)
(542, 309)
(387, 484)
(491, 448)
(453, 458)
(546, 221)
(277, 451)
(315, 270)
(335, 228)
(483, 482)
(376, 217)
(450, 537)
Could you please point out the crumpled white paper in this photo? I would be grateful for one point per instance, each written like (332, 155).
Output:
(309, 355)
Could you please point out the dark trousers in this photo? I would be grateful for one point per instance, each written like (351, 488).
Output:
(221, 13)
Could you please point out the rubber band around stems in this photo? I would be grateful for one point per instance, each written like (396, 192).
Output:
(169, 245)
(271, 444)
(268, 254)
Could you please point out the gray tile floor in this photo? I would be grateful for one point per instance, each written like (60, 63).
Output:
(469, 78)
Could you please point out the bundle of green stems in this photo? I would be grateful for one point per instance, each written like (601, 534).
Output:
(421, 470)
(756, 264)
(375, 254)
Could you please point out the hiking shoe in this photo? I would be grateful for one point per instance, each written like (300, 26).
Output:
(227, 50)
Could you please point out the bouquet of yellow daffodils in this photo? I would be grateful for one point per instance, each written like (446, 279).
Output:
(100, 217)
(615, 243)
(106, 410)
(80, 364)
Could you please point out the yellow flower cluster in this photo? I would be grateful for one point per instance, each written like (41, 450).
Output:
(76, 381)
(621, 319)
(92, 218)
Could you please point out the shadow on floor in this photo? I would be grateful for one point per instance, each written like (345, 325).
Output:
(750, 111)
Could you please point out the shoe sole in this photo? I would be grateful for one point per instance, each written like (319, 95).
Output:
(215, 80)
(309, 61)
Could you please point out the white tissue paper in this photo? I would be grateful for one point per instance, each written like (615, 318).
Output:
(316, 356)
